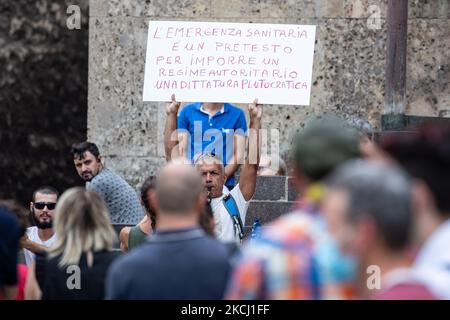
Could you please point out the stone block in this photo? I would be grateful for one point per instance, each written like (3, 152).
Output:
(154, 8)
(292, 192)
(355, 64)
(266, 211)
(428, 67)
(98, 8)
(287, 8)
(235, 9)
(368, 9)
(329, 8)
(431, 9)
(270, 188)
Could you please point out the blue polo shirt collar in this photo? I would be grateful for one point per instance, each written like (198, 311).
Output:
(199, 106)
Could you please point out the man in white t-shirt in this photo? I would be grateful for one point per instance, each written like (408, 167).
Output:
(214, 177)
(42, 235)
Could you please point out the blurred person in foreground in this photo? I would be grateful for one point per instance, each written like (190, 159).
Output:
(425, 155)
(295, 258)
(75, 266)
(21, 215)
(178, 261)
(9, 245)
(368, 210)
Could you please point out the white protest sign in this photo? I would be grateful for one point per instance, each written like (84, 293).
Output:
(229, 62)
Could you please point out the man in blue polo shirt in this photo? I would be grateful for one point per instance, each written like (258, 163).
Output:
(218, 128)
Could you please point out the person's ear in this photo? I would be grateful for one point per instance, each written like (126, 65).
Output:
(99, 159)
(154, 201)
(31, 206)
(151, 194)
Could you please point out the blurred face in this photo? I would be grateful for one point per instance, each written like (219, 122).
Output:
(334, 207)
(213, 178)
(42, 210)
(88, 166)
(368, 147)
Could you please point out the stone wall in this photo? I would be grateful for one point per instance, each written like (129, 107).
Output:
(43, 94)
(348, 72)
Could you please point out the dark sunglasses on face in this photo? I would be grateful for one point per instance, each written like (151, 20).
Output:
(42, 205)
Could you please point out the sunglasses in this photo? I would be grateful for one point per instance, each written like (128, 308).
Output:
(42, 205)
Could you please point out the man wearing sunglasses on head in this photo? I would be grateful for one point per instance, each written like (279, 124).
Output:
(229, 206)
(42, 235)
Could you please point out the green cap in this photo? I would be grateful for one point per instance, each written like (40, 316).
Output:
(324, 144)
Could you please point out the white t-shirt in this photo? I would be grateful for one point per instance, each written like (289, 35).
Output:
(433, 260)
(224, 227)
(33, 235)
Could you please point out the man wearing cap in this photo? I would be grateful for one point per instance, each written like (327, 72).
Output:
(295, 258)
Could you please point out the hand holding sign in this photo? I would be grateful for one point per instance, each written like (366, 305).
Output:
(173, 106)
(255, 110)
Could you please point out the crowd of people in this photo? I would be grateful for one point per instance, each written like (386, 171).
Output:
(371, 220)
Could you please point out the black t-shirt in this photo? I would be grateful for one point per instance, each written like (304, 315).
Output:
(78, 282)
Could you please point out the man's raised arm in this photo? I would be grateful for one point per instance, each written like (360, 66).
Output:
(247, 180)
(170, 135)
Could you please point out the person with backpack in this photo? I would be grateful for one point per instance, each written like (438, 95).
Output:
(229, 206)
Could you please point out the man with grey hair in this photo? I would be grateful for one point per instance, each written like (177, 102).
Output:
(229, 206)
(368, 211)
(179, 261)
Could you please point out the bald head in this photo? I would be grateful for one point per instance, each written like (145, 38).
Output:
(178, 188)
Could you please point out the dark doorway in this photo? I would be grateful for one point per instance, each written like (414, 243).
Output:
(43, 95)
